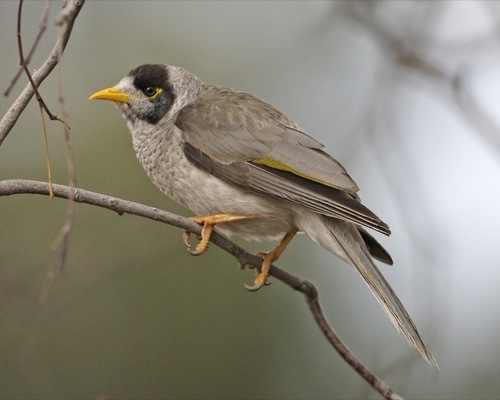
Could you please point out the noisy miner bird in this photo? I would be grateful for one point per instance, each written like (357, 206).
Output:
(239, 163)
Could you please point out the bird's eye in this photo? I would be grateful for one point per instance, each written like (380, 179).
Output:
(150, 91)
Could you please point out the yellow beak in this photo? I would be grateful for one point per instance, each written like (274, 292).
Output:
(113, 94)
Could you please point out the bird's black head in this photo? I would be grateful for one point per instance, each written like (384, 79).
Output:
(152, 81)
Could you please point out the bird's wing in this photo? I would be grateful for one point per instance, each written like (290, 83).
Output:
(231, 126)
(260, 150)
(284, 185)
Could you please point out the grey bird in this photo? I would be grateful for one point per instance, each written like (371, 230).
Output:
(239, 163)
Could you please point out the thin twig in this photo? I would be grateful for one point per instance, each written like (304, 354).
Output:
(62, 239)
(22, 62)
(312, 299)
(46, 148)
(65, 20)
(41, 31)
(43, 107)
(19, 186)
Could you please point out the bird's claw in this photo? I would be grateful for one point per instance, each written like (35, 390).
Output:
(256, 286)
(261, 274)
(186, 235)
(193, 252)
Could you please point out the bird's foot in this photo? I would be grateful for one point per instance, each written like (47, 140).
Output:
(263, 272)
(208, 223)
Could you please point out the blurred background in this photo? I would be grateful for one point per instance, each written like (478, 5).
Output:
(404, 94)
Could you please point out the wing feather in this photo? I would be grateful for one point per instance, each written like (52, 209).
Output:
(231, 126)
(271, 182)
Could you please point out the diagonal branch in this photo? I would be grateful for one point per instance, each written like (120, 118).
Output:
(307, 288)
(65, 20)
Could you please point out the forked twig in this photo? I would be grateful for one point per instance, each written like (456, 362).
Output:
(65, 20)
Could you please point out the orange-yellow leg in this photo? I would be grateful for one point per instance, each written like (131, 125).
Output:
(262, 273)
(209, 222)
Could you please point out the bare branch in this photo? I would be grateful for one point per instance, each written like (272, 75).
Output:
(65, 20)
(312, 299)
(120, 206)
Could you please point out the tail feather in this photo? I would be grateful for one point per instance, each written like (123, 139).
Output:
(345, 241)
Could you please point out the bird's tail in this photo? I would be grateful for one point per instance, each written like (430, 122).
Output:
(343, 239)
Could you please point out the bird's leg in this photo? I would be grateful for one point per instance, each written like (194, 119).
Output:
(209, 222)
(262, 273)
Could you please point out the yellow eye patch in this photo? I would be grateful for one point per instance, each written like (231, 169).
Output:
(153, 92)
